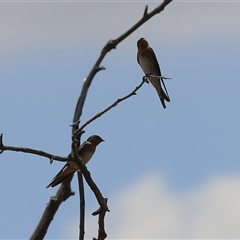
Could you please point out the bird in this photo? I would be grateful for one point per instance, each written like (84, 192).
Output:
(85, 152)
(147, 59)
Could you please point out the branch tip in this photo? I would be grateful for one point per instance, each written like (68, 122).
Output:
(75, 124)
(1, 143)
(145, 11)
(95, 213)
(100, 68)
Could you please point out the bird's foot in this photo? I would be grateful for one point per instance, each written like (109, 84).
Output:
(145, 79)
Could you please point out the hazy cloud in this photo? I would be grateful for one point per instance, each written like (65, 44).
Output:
(149, 208)
(26, 26)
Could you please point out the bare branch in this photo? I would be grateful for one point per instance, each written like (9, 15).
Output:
(101, 200)
(101, 215)
(82, 206)
(32, 151)
(62, 195)
(110, 107)
(1, 143)
(83, 95)
(101, 231)
(145, 11)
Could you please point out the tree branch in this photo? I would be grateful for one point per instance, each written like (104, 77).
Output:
(134, 92)
(32, 151)
(101, 215)
(63, 193)
(82, 206)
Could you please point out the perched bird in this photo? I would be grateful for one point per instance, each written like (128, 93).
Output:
(149, 64)
(85, 152)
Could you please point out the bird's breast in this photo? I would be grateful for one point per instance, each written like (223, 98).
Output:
(147, 66)
(87, 156)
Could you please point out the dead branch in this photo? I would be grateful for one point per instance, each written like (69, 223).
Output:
(134, 92)
(32, 151)
(63, 193)
(101, 215)
(82, 206)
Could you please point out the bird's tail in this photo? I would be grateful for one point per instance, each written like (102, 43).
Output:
(57, 180)
(163, 96)
(64, 173)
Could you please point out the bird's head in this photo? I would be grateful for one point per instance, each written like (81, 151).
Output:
(142, 43)
(95, 139)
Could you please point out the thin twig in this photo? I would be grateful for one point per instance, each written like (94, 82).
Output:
(101, 214)
(82, 206)
(109, 108)
(63, 193)
(32, 151)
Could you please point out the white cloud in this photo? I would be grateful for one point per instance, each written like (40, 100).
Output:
(40, 25)
(149, 208)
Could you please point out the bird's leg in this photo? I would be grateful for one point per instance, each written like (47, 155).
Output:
(145, 78)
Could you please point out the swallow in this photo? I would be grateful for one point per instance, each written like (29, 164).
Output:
(148, 61)
(85, 152)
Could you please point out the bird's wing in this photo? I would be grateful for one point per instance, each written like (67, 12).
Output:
(155, 61)
(62, 174)
(159, 71)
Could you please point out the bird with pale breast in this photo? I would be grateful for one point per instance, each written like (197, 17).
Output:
(148, 61)
(85, 152)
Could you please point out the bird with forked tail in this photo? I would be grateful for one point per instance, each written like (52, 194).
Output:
(85, 152)
(149, 64)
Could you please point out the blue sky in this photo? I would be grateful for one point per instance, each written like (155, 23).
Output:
(176, 168)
